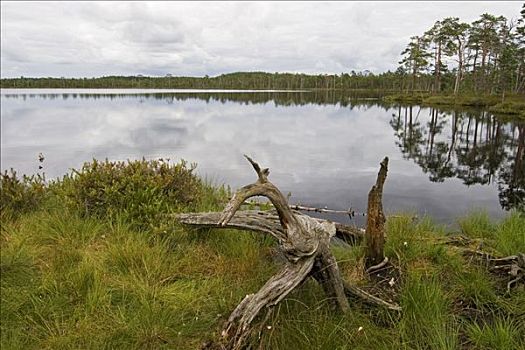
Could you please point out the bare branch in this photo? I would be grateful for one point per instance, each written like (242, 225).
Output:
(262, 174)
(265, 188)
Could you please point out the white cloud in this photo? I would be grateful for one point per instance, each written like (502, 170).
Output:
(192, 38)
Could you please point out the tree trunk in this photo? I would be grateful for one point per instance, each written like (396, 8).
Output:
(459, 74)
(437, 68)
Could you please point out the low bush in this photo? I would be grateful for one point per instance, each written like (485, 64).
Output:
(20, 194)
(142, 190)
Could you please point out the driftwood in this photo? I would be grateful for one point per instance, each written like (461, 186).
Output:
(266, 221)
(304, 242)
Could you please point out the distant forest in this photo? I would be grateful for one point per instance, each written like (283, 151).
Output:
(486, 56)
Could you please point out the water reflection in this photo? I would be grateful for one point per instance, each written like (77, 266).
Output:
(324, 147)
(471, 145)
(288, 98)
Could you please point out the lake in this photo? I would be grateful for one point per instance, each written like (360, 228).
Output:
(323, 147)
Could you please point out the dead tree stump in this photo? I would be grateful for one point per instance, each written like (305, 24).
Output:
(304, 241)
(375, 224)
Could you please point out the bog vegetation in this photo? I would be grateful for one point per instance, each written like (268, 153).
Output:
(93, 260)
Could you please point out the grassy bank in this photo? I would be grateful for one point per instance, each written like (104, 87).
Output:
(510, 104)
(92, 261)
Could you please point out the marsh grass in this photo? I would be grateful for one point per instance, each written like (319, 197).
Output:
(77, 282)
(71, 280)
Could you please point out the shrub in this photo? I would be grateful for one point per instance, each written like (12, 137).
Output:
(142, 190)
(20, 195)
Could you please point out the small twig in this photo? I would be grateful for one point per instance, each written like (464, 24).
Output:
(349, 212)
(515, 270)
(512, 282)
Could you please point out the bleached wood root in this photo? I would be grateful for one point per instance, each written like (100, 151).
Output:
(238, 326)
(304, 242)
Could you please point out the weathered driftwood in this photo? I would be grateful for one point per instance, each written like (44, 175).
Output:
(264, 222)
(375, 225)
(305, 243)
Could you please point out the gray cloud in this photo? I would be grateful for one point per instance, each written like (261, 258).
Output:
(192, 38)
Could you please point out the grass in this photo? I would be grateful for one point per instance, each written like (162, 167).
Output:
(71, 279)
(500, 334)
(77, 283)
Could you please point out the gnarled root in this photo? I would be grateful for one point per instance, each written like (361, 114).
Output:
(305, 243)
(237, 328)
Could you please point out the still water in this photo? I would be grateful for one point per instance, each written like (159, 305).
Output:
(324, 148)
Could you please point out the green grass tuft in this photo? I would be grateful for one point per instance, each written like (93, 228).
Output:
(501, 334)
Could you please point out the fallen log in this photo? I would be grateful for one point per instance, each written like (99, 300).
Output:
(266, 221)
(305, 244)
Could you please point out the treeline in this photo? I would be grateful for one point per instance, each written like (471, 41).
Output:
(486, 56)
(239, 80)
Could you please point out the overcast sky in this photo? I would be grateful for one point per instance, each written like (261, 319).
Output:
(77, 39)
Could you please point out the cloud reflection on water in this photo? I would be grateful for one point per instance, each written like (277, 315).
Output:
(323, 154)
